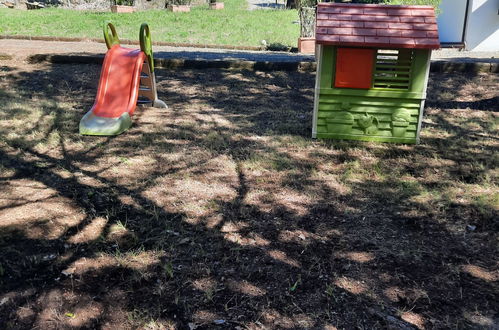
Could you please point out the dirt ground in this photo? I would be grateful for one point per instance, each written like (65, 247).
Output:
(221, 212)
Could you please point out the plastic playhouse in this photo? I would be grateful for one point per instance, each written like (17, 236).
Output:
(372, 73)
(127, 80)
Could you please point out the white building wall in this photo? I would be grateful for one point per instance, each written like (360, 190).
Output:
(483, 26)
(482, 32)
(451, 20)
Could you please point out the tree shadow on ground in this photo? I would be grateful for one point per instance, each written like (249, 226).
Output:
(221, 212)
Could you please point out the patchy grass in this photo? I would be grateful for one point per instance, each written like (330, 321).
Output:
(235, 25)
(221, 211)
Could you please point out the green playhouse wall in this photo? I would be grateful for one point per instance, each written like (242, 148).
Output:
(361, 103)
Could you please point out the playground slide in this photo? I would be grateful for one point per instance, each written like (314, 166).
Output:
(127, 75)
(117, 93)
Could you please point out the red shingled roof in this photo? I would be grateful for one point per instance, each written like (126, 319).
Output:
(376, 26)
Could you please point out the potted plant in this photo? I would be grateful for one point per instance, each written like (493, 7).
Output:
(306, 12)
(306, 42)
(122, 6)
(215, 5)
(400, 122)
(34, 5)
(181, 6)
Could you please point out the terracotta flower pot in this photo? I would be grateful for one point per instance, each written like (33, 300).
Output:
(216, 5)
(122, 9)
(306, 45)
(179, 8)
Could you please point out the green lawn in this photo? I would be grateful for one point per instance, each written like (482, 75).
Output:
(232, 26)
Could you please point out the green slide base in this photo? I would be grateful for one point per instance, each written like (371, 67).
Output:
(91, 124)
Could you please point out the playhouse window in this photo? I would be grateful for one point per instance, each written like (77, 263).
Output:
(393, 69)
(354, 68)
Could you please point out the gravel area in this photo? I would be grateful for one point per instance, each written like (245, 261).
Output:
(465, 56)
(23, 48)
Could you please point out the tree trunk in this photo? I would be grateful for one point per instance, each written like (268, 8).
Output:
(307, 22)
(291, 4)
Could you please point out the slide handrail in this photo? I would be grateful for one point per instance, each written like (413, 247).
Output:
(112, 39)
(146, 44)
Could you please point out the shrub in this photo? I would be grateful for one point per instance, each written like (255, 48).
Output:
(122, 2)
(178, 2)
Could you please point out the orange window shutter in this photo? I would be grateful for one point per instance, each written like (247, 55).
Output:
(354, 68)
